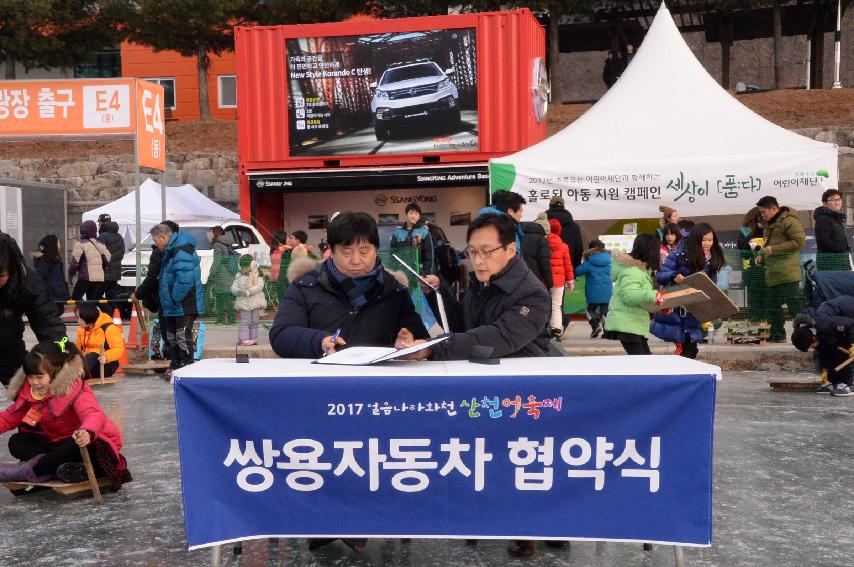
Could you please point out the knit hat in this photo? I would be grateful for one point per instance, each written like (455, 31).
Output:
(555, 226)
(666, 211)
(556, 200)
(543, 221)
(802, 338)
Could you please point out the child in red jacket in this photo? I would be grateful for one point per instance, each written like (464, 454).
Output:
(56, 412)
(562, 274)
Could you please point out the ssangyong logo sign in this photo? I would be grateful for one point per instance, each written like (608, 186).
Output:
(380, 200)
(260, 183)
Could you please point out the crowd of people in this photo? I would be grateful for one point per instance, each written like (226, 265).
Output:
(343, 295)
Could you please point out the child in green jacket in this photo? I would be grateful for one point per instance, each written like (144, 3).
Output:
(627, 320)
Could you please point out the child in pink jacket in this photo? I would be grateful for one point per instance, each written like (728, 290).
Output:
(56, 413)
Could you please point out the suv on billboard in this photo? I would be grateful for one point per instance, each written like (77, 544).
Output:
(412, 91)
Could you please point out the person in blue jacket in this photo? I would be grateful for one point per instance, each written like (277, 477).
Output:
(512, 205)
(596, 265)
(181, 296)
(697, 252)
(413, 233)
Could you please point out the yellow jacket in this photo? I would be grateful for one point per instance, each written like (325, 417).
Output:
(92, 340)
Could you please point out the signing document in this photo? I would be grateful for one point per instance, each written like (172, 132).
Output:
(363, 356)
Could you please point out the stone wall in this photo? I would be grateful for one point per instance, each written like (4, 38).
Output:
(101, 179)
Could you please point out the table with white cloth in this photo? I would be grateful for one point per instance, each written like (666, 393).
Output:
(615, 448)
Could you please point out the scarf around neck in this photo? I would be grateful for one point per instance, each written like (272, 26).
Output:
(356, 288)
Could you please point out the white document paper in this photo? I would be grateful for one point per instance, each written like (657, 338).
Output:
(363, 356)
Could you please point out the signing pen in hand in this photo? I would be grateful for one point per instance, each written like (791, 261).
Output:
(332, 341)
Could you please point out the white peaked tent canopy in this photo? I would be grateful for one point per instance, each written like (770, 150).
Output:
(183, 204)
(667, 133)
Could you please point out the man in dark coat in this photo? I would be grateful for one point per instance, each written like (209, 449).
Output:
(506, 309)
(612, 70)
(536, 252)
(22, 292)
(827, 330)
(570, 232)
(108, 234)
(834, 250)
(350, 292)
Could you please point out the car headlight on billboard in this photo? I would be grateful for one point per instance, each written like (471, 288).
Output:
(382, 94)
(445, 84)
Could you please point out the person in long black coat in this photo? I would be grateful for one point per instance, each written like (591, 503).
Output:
(536, 252)
(22, 292)
(834, 250)
(48, 264)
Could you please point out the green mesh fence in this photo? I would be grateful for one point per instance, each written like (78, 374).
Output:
(219, 295)
(770, 287)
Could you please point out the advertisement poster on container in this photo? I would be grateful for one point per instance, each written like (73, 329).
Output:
(390, 93)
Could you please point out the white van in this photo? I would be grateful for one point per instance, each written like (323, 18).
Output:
(242, 237)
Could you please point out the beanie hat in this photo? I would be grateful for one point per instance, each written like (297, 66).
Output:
(543, 221)
(802, 338)
(556, 200)
(555, 226)
(666, 211)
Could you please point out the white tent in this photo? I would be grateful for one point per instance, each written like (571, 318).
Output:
(183, 204)
(667, 133)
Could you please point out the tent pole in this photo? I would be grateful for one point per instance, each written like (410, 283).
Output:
(138, 209)
(163, 192)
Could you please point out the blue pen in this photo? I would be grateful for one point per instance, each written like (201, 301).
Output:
(335, 336)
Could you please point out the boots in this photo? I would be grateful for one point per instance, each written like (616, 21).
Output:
(521, 548)
(22, 472)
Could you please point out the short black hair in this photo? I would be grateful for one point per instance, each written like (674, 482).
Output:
(173, 225)
(413, 207)
(802, 338)
(767, 202)
(89, 312)
(685, 224)
(647, 249)
(596, 245)
(349, 228)
(502, 223)
(300, 235)
(830, 193)
(507, 200)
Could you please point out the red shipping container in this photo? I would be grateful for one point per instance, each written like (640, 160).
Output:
(428, 91)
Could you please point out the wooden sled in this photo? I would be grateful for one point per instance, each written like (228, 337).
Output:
(795, 385)
(92, 483)
(147, 368)
(718, 306)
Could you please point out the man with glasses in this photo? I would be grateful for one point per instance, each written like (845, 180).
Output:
(831, 241)
(506, 308)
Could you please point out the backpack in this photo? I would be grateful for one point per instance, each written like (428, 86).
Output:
(447, 262)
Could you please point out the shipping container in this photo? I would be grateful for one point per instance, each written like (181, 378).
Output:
(390, 101)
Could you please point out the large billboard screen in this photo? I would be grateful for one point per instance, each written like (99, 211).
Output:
(389, 93)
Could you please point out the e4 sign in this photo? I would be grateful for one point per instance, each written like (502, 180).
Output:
(150, 130)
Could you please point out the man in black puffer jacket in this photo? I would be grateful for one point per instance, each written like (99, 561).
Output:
(22, 292)
(350, 292)
(830, 239)
(108, 234)
(570, 232)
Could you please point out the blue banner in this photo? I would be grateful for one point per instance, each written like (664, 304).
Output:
(528, 457)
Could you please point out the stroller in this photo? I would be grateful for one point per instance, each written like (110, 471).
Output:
(819, 286)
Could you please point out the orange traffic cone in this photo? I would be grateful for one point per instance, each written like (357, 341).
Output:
(117, 317)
